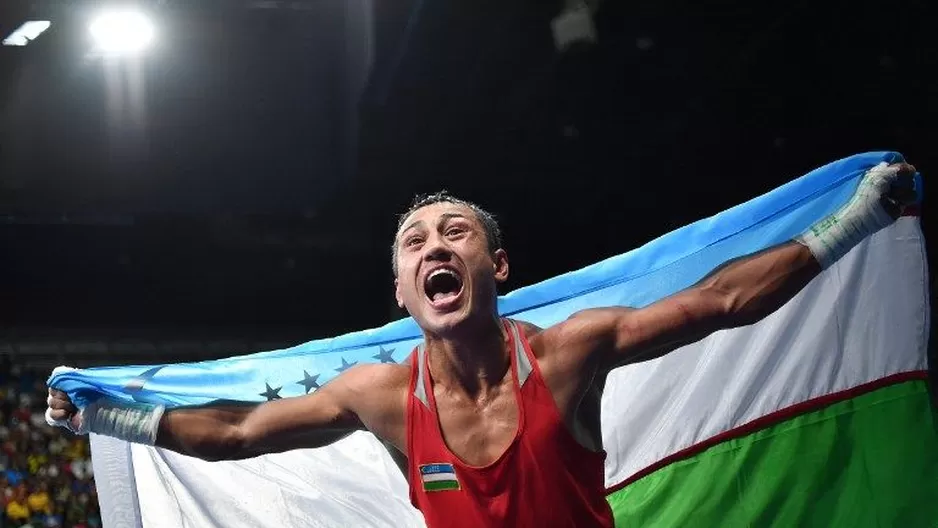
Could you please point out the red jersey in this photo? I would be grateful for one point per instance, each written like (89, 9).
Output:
(544, 479)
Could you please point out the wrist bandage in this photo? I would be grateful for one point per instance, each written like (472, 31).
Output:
(831, 238)
(134, 422)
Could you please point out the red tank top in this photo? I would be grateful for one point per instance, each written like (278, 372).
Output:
(544, 479)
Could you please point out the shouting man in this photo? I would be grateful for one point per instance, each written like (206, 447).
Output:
(494, 415)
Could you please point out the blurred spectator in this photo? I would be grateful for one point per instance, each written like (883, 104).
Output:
(39, 502)
(46, 476)
(17, 510)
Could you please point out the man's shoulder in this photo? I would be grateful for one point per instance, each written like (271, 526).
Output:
(534, 335)
(377, 395)
(528, 329)
(576, 333)
(373, 389)
(376, 376)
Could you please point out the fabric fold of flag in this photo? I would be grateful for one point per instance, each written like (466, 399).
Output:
(816, 416)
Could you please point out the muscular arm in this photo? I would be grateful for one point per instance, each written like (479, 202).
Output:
(739, 293)
(236, 432)
(364, 397)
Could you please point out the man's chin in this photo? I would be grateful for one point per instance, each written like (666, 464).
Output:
(445, 321)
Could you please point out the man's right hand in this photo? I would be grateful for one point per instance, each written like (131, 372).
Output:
(61, 411)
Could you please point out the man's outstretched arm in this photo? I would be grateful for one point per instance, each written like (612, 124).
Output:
(740, 292)
(237, 432)
(352, 401)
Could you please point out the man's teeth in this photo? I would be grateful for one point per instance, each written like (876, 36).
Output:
(440, 272)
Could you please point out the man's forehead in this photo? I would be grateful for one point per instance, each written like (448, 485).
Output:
(430, 214)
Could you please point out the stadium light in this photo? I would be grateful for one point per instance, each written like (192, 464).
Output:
(26, 33)
(122, 32)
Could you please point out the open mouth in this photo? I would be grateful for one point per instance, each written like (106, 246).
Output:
(442, 285)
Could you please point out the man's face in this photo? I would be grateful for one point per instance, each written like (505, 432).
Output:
(446, 271)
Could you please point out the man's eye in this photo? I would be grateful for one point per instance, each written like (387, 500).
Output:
(454, 231)
(413, 241)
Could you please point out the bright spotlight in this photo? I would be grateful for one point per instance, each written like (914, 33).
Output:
(27, 33)
(122, 32)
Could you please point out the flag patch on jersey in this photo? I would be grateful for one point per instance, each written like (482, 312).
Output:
(438, 477)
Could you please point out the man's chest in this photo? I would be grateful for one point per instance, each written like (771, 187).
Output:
(478, 431)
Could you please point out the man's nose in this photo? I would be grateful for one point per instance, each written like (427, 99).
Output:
(436, 250)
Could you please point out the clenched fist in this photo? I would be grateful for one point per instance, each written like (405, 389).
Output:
(898, 189)
(62, 412)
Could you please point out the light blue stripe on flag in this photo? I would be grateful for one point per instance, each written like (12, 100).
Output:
(429, 469)
(636, 278)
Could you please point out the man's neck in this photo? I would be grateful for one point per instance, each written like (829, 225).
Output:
(474, 361)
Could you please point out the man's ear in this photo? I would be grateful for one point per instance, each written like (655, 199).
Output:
(397, 293)
(500, 258)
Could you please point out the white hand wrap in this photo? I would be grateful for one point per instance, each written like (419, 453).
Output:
(831, 238)
(134, 422)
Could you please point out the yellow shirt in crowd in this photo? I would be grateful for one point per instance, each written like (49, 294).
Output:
(17, 511)
(39, 502)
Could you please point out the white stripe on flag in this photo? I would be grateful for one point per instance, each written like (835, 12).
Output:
(435, 477)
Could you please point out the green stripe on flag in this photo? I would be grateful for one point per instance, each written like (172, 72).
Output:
(441, 485)
(868, 461)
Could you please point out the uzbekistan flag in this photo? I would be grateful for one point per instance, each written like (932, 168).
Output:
(818, 415)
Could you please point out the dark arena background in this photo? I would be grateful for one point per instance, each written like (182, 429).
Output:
(234, 187)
